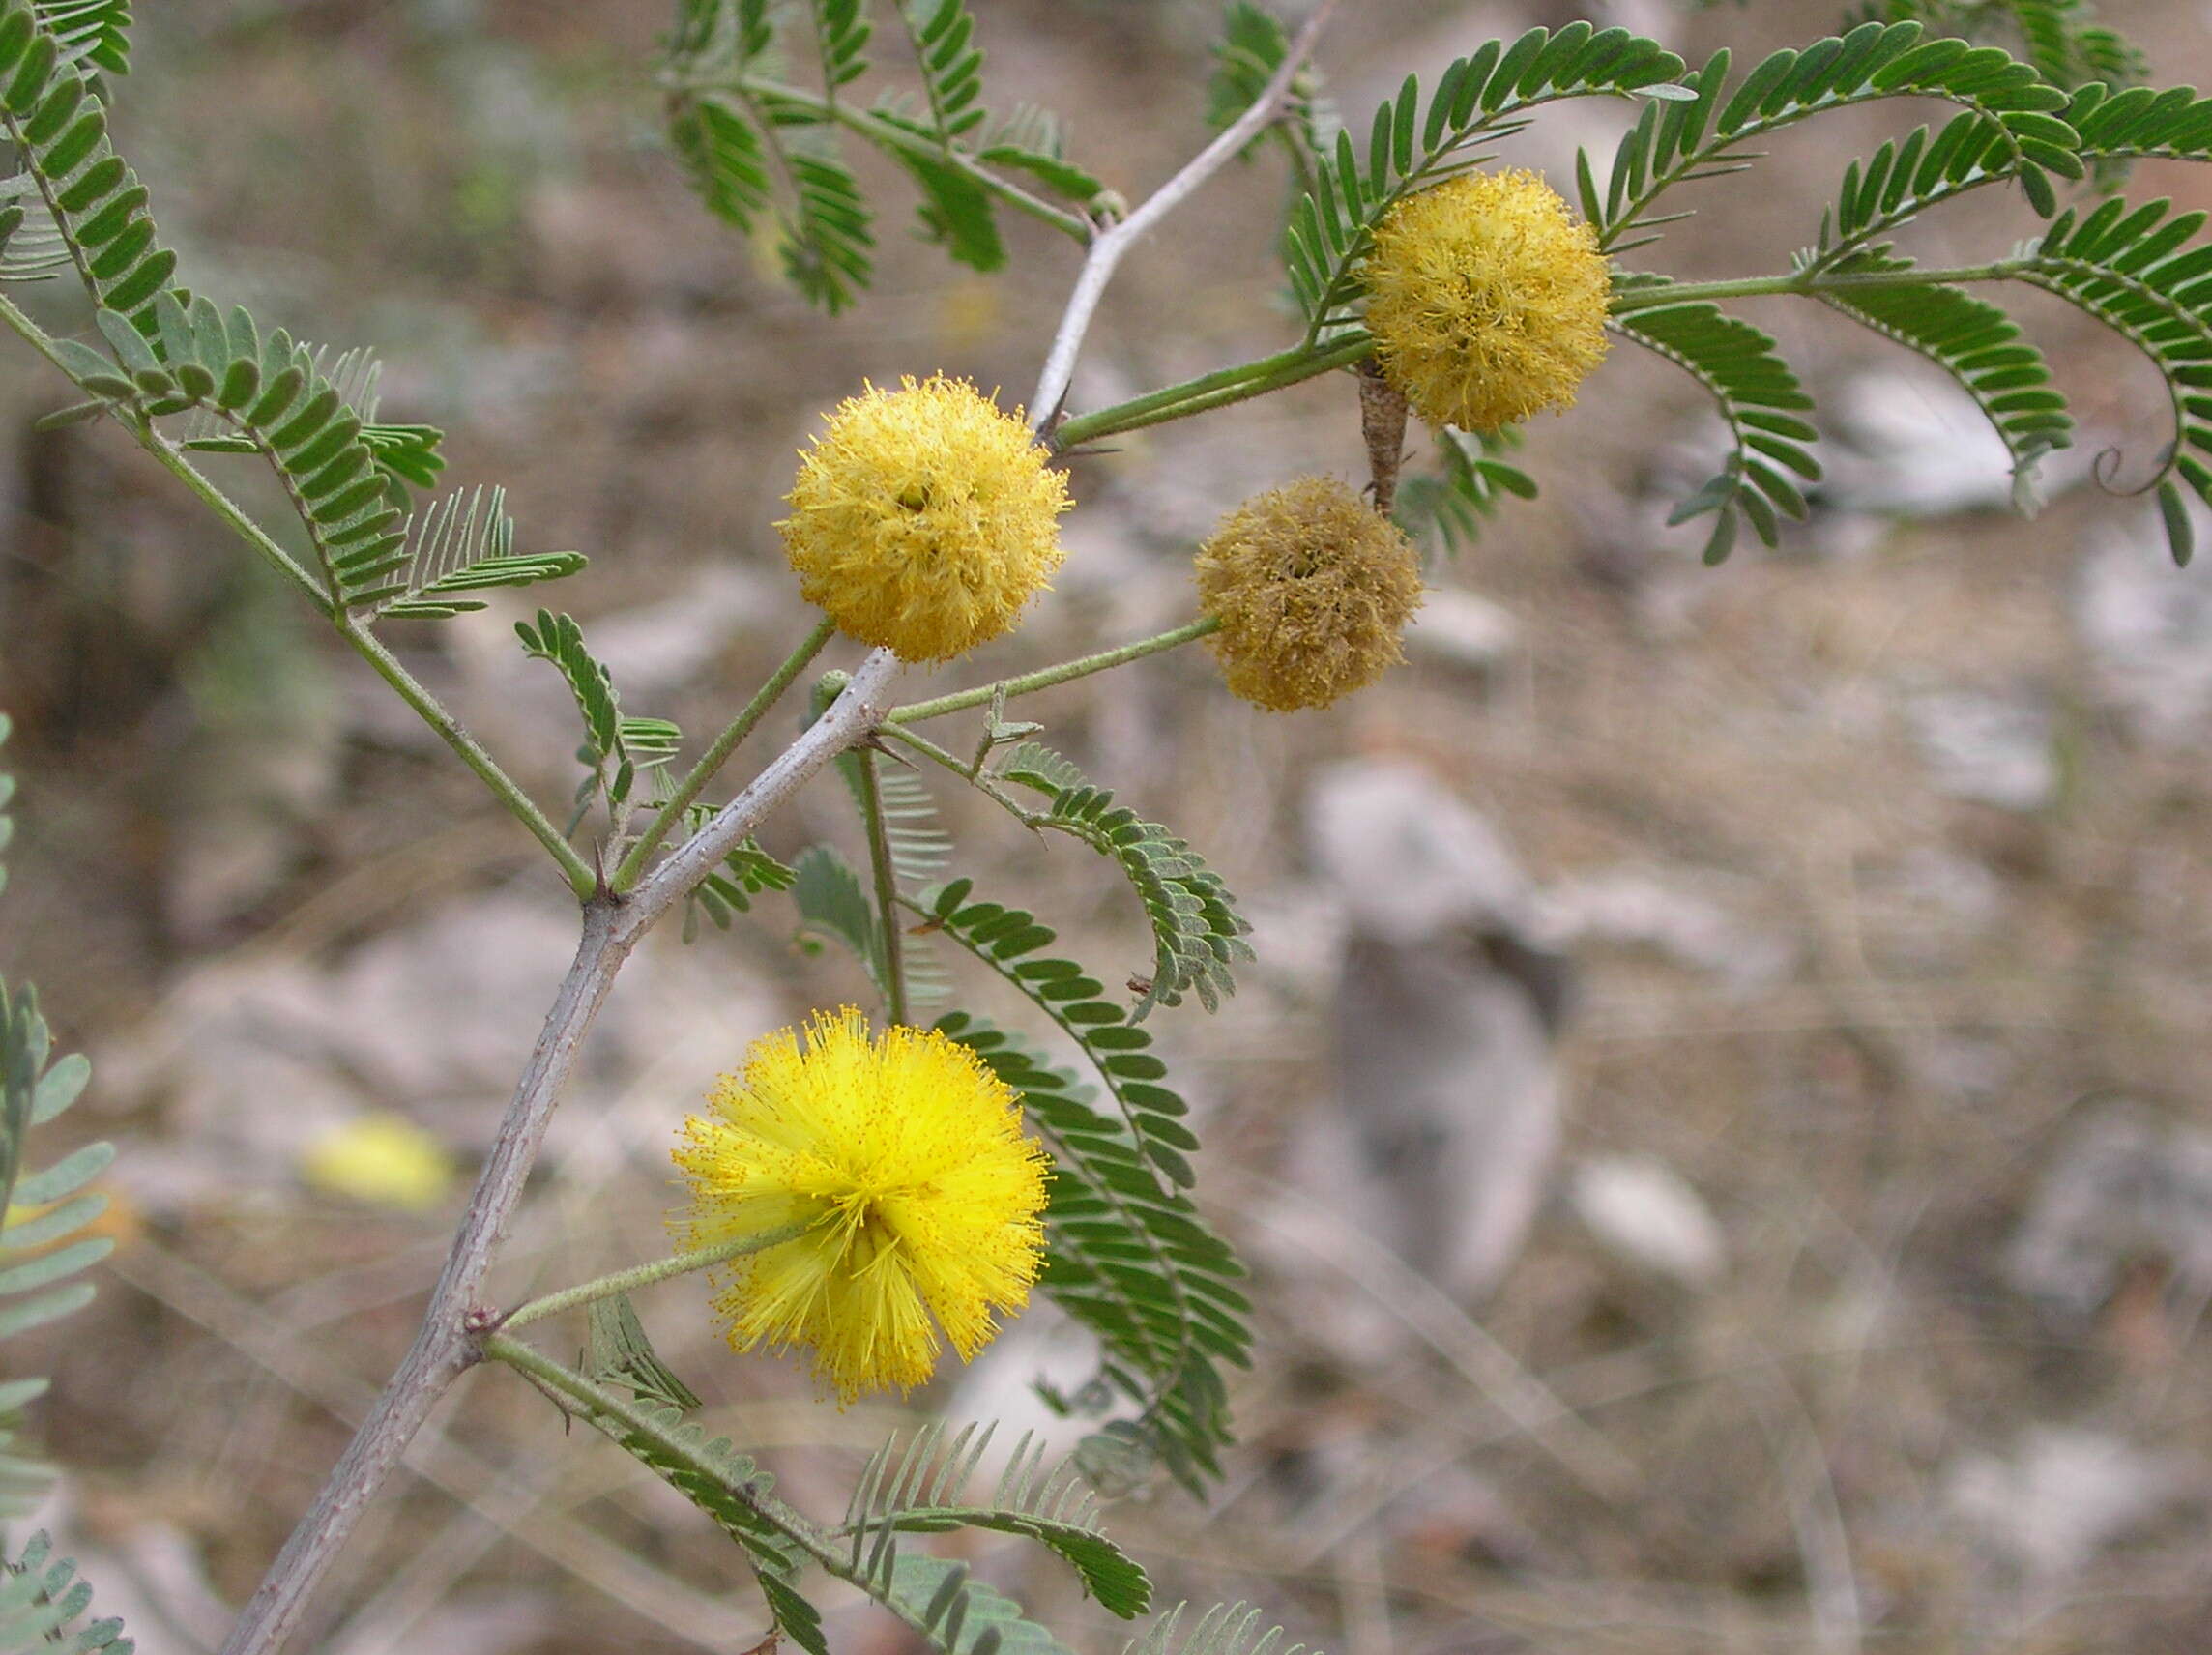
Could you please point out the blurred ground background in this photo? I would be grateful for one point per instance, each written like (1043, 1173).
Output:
(1862, 1302)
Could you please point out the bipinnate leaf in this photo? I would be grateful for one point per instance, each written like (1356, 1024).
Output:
(917, 1487)
(1127, 1252)
(1197, 932)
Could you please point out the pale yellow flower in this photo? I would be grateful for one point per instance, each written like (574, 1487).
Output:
(1312, 588)
(905, 1155)
(1487, 299)
(924, 518)
(383, 1159)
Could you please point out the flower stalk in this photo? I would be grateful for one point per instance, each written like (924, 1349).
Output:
(1045, 677)
(645, 1275)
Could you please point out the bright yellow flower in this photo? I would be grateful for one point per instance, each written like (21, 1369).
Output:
(1487, 299)
(1313, 589)
(906, 1154)
(924, 518)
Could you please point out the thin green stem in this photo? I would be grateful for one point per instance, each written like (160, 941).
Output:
(674, 1446)
(1214, 390)
(701, 774)
(1044, 678)
(887, 884)
(645, 1275)
(889, 136)
(583, 879)
(1813, 283)
(929, 750)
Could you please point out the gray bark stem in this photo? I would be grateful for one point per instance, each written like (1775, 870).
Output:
(448, 1343)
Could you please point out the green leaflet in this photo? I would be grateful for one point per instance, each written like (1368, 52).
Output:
(1979, 346)
(1127, 1252)
(462, 546)
(762, 152)
(311, 416)
(2139, 271)
(95, 32)
(2063, 38)
(1197, 931)
(41, 1595)
(954, 1615)
(942, 35)
(745, 872)
(731, 1489)
(1761, 400)
(834, 905)
(618, 1353)
(1414, 143)
(1467, 487)
(917, 1489)
(92, 207)
(617, 750)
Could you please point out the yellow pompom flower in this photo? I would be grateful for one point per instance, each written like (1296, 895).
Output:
(1487, 299)
(1313, 589)
(905, 1156)
(924, 518)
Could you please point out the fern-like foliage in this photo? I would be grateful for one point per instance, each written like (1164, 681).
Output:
(2134, 269)
(1127, 1252)
(312, 418)
(1197, 932)
(41, 1598)
(2137, 268)
(937, 1600)
(462, 546)
(1470, 483)
(833, 905)
(745, 872)
(1252, 47)
(746, 160)
(1713, 133)
(52, 115)
(2175, 124)
(762, 152)
(620, 1353)
(2061, 38)
(732, 1490)
(1760, 397)
(43, 1255)
(1414, 143)
(1979, 346)
(1226, 1629)
(917, 1488)
(95, 32)
(617, 750)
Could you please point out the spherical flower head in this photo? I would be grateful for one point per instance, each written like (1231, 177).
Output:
(905, 1156)
(924, 518)
(1313, 589)
(1487, 299)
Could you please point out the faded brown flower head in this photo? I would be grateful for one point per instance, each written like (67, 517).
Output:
(1487, 299)
(1312, 589)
